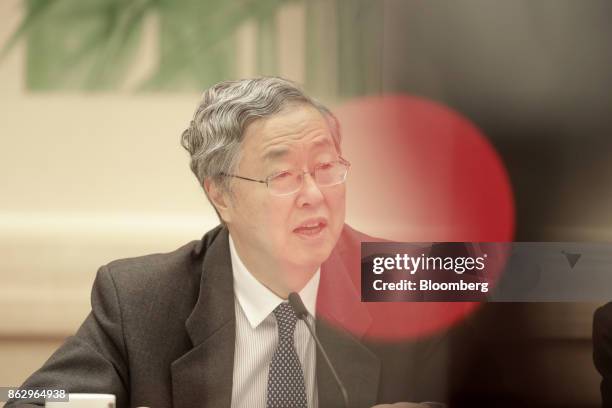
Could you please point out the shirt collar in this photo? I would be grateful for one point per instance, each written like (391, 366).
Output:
(256, 300)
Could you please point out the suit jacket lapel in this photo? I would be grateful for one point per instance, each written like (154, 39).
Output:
(203, 376)
(339, 308)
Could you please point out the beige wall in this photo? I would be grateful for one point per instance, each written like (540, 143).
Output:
(85, 178)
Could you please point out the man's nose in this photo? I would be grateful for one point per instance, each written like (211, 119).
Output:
(310, 193)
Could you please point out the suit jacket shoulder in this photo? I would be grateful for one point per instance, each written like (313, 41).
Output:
(135, 330)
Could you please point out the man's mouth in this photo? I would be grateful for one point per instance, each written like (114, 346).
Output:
(311, 228)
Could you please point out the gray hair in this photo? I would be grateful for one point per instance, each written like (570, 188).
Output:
(214, 136)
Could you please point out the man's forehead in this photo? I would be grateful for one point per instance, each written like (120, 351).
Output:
(299, 126)
(283, 149)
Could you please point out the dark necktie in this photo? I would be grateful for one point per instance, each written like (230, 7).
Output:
(286, 387)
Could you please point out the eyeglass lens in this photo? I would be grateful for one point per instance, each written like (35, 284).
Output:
(326, 175)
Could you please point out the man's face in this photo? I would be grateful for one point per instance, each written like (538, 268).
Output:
(277, 231)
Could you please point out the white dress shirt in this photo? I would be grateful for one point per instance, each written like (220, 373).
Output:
(257, 337)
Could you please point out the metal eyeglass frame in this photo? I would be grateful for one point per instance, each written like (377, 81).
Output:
(266, 181)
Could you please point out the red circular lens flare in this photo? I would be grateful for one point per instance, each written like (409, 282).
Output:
(421, 172)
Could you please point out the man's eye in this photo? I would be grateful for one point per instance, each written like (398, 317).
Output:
(281, 175)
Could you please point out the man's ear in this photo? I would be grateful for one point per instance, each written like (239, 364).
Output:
(219, 198)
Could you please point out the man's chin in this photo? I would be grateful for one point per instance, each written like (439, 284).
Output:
(309, 252)
(311, 257)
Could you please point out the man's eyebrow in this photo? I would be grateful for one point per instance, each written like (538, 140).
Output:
(323, 142)
(275, 153)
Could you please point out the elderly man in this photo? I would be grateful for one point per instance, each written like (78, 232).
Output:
(209, 324)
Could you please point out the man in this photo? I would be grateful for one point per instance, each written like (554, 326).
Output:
(209, 324)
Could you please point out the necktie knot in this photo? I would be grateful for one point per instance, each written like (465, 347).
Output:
(286, 320)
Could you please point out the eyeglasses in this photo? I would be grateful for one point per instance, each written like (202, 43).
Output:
(290, 181)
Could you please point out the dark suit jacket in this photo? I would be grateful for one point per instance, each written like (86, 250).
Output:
(602, 350)
(161, 333)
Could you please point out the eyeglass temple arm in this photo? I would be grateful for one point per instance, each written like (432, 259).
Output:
(244, 178)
